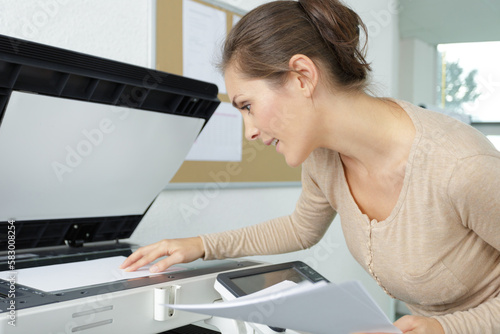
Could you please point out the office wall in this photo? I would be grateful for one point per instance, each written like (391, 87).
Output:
(381, 20)
(238, 5)
(417, 72)
(123, 30)
(115, 29)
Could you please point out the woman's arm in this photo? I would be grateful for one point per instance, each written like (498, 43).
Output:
(300, 230)
(474, 192)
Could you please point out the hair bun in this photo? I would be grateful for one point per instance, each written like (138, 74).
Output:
(339, 26)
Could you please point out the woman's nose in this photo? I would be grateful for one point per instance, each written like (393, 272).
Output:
(251, 132)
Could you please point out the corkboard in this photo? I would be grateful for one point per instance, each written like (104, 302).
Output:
(259, 163)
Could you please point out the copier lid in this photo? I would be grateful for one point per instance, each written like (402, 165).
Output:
(87, 143)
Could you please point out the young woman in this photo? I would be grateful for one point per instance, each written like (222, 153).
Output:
(416, 191)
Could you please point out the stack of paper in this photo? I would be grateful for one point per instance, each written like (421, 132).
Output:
(321, 308)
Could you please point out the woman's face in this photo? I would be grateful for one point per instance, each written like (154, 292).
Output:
(274, 115)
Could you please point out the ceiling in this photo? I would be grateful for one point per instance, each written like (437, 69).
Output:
(432, 21)
(450, 21)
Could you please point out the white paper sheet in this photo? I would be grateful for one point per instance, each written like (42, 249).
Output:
(321, 308)
(221, 139)
(203, 32)
(77, 274)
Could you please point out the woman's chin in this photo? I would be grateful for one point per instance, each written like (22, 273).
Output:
(295, 158)
(293, 162)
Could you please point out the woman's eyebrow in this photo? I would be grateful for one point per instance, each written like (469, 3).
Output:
(234, 101)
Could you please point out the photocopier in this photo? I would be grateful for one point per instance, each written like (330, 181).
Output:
(86, 146)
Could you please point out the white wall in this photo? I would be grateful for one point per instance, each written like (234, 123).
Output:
(417, 71)
(123, 30)
(381, 20)
(116, 29)
(242, 6)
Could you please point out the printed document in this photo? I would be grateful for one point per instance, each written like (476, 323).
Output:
(320, 308)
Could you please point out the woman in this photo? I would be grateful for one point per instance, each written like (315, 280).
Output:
(416, 191)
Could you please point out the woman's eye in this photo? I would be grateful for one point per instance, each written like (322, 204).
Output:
(246, 107)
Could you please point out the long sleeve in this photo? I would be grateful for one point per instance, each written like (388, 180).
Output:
(483, 319)
(474, 190)
(300, 230)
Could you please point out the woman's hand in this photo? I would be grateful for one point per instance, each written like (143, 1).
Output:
(177, 250)
(410, 324)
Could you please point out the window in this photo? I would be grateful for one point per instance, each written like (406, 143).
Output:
(469, 83)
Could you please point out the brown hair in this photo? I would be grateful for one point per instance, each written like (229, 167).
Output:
(327, 31)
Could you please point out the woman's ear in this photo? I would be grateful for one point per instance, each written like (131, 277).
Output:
(305, 73)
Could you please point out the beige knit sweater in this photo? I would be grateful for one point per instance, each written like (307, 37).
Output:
(438, 251)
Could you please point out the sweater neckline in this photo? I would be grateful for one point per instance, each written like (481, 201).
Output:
(407, 107)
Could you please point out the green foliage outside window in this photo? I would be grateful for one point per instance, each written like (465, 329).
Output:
(456, 87)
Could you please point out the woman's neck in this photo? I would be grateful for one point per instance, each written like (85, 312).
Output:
(371, 134)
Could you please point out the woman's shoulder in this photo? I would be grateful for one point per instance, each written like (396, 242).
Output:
(447, 135)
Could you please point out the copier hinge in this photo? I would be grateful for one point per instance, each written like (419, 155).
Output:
(78, 234)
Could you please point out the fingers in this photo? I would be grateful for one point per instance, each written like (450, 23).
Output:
(419, 325)
(139, 263)
(410, 324)
(405, 323)
(143, 256)
(178, 251)
(181, 251)
(166, 263)
(131, 259)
